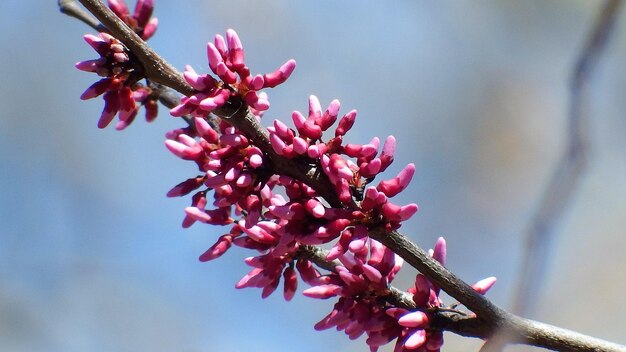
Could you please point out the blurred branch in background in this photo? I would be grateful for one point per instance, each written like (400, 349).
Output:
(71, 8)
(570, 169)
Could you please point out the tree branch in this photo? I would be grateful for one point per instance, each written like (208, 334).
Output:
(570, 168)
(489, 318)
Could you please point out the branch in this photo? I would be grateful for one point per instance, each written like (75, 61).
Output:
(441, 319)
(490, 318)
(519, 330)
(71, 8)
(570, 167)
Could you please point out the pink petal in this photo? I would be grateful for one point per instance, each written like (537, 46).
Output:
(280, 75)
(322, 291)
(440, 251)
(484, 285)
(220, 247)
(416, 339)
(413, 319)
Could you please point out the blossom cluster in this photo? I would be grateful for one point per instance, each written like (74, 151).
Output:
(226, 60)
(277, 215)
(362, 279)
(270, 211)
(121, 72)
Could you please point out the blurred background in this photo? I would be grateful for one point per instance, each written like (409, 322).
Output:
(92, 254)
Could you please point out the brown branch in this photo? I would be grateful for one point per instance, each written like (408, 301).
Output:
(519, 330)
(570, 168)
(490, 317)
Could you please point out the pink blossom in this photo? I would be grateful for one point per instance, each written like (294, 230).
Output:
(277, 215)
(226, 60)
(141, 20)
(119, 85)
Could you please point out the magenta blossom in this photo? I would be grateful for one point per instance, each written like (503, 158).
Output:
(349, 177)
(141, 21)
(362, 280)
(120, 72)
(119, 83)
(226, 60)
(415, 335)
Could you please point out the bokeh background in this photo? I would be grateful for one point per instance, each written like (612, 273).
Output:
(92, 255)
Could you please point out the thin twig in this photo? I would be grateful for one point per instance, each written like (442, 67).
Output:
(489, 317)
(71, 8)
(570, 169)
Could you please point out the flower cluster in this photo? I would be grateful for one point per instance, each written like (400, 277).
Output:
(278, 211)
(362, 280)
(120, 71)
(349, 178)
(276, 215)
(226, 60)
(271, 211)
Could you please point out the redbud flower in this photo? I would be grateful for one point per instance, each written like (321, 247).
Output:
(360, 281)
(226, 60)
(415, 334)
(141, 20)
(119, 85)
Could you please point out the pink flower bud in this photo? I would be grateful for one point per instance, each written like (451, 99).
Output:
(484, 285)
(415, 340)
(150, 28)
(220, 45)
(371, 168)
(440, 251)
(235, 49)
(185, 187)
(322, 291)
(373, 274)
(193, 78)
(270, 288)
(280, 75)
(389, 149)
(120, 8)
(330, 115)
(398, 183)
(224, 72)
(315, 208)
(413, 319)
(422, 286)
(345, 124)
(310, 130)
(183, 151)
(315, 109)
(220, 247)
(278, 144)
(143, 12)
(246, 280)
(234, 140)
(291, 283)
(307, 271)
